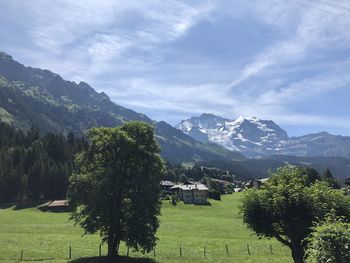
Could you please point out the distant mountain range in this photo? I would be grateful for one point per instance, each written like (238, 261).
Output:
(261, 138)
(40, 98)
(43, 99)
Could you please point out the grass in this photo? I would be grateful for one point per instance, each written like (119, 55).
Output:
(47, 236)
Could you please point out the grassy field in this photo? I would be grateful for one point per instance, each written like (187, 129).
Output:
(47, 236)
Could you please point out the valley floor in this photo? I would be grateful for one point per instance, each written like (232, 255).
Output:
(202, 232)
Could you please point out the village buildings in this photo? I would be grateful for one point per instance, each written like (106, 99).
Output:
(192, 193)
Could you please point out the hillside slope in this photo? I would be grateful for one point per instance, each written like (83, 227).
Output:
(40, 98)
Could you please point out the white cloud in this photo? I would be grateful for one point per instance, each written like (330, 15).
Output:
(117, 46)
(92, 33)
(316, 29)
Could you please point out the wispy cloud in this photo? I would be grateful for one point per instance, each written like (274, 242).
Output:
(174, 59)
(92, 33)
(316, 29)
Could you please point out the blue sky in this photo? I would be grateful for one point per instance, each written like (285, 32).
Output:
(285, 60)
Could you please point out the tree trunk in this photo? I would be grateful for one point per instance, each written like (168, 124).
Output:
(297, 253)
(113, 247)
(112, 251)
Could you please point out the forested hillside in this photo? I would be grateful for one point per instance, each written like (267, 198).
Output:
(34, 166)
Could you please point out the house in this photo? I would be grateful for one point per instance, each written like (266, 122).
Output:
(255, 183)
(192, 193)
(222, 184)
(166, 187)
(58, 206)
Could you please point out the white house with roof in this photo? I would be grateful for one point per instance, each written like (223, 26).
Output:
(192, 192)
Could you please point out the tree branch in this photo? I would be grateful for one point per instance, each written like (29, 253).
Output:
(282, 240)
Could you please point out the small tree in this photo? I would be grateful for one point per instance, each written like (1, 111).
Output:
(116, 186)
(287, 206)
(329, 243)
(214, 190)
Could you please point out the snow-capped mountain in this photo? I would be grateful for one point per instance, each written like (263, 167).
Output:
(251, 136)
(257, 138)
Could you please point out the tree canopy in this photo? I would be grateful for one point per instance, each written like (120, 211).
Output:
(288, 204)
(329, 242)
(116, 186)
(34, 166)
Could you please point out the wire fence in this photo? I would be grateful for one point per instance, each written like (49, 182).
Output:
(179, 251)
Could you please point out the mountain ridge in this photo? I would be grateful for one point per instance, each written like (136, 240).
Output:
(43, 99)
(40, 98)
(254, 137)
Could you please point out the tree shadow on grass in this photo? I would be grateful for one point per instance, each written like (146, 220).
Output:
(20, 206)
(25, 205)
(120, 259)
(204, 204)
(5, 206)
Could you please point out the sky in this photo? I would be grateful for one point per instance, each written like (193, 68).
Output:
(284, 60)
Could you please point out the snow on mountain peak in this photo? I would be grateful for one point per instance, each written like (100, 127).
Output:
(249, 135)
(255, 137)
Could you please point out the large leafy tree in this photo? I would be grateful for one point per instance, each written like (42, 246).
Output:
(116, 186)
(288, 205)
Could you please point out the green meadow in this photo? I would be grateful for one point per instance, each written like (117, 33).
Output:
(199, 233)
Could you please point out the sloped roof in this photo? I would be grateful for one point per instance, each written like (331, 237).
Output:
(194, 186)
(57, 203)
(166, 183)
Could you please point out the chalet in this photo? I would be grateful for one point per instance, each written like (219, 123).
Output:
(166, 187)
(256, 183)
(192, 193)
(222, 184)
(58, 206)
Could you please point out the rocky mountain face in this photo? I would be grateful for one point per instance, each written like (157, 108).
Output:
(260, 138)
(317, 144)
(32, 97)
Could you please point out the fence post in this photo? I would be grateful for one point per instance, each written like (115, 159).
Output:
(226, 250)
(248, 249)
(100, 250)
(271, 249)
(127, 251)
(21, 254)
(205, 252)
(154, 252)
(70, 252)
(180, 251)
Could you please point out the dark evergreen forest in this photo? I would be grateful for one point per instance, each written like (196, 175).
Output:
(35, 166)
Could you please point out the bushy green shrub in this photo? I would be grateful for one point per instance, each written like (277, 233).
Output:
(329, 243)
